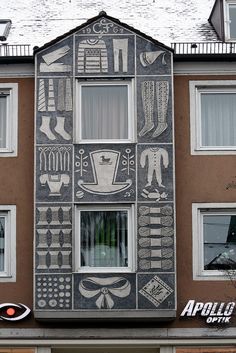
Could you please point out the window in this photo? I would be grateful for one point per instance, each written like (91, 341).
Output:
(230, 20)
(7, 243)
(213, 117)
(8, 119)
(105, 111)
(104, 239)
(214, 240)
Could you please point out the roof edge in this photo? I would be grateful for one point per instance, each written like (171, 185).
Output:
(17, 59)
(213, 8)
(93, 19)
(204, 57)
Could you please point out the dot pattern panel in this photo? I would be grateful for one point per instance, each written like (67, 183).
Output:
(53, 292)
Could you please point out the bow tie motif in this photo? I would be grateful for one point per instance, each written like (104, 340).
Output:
(105, 288)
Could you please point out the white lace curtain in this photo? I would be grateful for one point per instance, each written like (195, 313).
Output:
(232, 17)
(3, 113)
(218, 119)
(105, 112)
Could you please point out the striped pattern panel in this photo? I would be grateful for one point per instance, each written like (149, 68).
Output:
(92, 56)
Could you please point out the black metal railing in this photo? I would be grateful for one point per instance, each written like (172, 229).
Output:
(15, 50)
(204, 48)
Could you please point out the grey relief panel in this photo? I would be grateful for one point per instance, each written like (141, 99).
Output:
(155, 237)
(156, 291)
(105, 291)
(154, 109)
(152, 59)
(48, 216)
(104, 173)
(54, 173)
(54, 106)
(104, 26)
(56, 60)
(104, 55)
(53, 250)
(53, 292)
(155, 172)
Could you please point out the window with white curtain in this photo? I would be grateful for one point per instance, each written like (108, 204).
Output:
(8, 119)
(230, 19)
(7, 243)
(104, 238)
(214, 240)
(4, 95)
(104, 111)
(213, 117)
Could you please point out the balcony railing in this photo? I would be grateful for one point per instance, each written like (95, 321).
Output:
(184, 48)
(15, 50)
(204, 48)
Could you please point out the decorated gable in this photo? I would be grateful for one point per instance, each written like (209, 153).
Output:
(104, 175)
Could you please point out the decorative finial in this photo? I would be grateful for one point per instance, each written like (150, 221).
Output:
(102, 13)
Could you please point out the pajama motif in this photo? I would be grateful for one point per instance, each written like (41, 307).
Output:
(155, 157)
(92, 56)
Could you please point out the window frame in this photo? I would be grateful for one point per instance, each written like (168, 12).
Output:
(9, 273)
(78, 108)
(227, 20)
(131, 243)
(11, 90)
(196, 88)
(198, 211)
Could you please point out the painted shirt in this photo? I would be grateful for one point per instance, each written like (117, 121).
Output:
(92, 56)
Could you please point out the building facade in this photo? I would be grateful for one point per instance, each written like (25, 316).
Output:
(118, 207)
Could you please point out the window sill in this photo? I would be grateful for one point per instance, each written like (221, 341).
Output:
(93, 270)
(106, 315)
(7, 278)
(87, 142)
(213, 278)
(8, 153)
(213, 152)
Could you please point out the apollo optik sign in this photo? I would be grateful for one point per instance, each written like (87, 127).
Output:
(213, 312)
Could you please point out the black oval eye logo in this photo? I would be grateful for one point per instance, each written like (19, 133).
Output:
(13, 312)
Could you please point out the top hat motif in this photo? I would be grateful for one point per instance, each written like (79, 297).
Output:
(104, 164)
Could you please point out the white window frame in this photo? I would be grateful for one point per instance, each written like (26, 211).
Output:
(196, 88)
(78, 121)
(11, 89)
(227, 20)
(198, 211)
(9, 273)
(131, 242)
